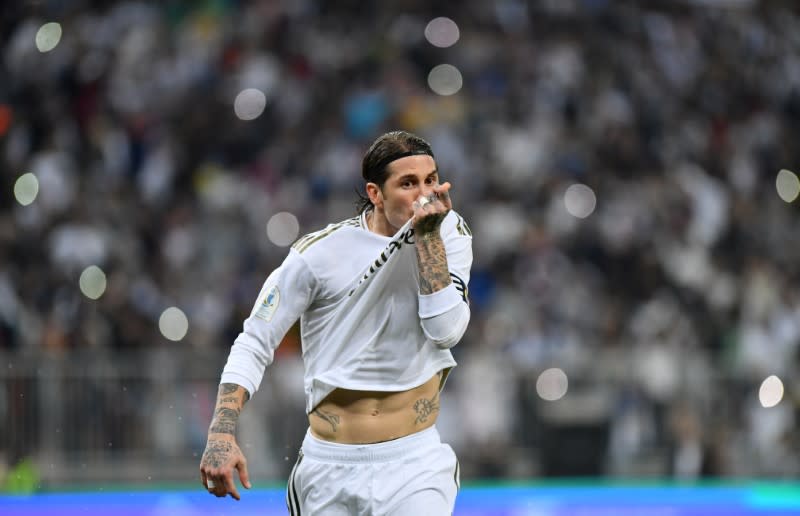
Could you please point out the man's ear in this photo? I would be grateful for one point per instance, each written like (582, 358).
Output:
(375, 194)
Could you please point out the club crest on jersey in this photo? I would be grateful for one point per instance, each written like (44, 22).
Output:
(269, 304)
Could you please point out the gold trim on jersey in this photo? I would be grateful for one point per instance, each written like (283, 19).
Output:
(462, 227)
(310, 239)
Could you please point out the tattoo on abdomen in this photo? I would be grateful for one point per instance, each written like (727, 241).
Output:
(332, 419)
(425, 408)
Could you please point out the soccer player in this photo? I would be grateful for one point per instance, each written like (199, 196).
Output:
(381, 297)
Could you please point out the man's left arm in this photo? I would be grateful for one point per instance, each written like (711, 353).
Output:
(443, 270)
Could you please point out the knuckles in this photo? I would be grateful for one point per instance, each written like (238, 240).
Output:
(218, 472)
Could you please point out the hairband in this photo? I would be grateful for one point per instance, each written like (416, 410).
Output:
(393, 157)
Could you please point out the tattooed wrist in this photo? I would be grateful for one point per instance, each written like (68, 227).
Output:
(225, 420)
(428, 233)
(222, 427)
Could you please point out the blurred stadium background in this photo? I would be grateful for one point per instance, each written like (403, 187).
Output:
(627, 169)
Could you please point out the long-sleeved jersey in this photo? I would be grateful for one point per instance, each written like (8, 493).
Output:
(363, 323)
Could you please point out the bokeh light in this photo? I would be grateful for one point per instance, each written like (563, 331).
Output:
(249, 104)
(93, 282)
(26, 188)
(282, 228)
(771, 392)
(788, 185)
(445, 79)
(552, 384)
(173, 324)
(580, 200)
(48, 36)
(442, 32)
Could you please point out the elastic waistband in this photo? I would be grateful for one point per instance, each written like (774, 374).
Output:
(315, 448)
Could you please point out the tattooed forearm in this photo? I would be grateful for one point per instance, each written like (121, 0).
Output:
(230, 401)
(332, 419)
(227, 388)
(432, 259)
(228, 413)
(217, 453)
(425, 408)
(230, 388)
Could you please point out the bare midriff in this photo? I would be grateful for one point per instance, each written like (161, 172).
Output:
(361, 417)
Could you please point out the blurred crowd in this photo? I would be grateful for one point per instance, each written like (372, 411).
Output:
(666, 307)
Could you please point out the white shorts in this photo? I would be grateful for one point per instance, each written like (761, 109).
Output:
(416, 475)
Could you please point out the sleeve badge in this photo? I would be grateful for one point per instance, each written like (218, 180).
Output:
(269, 304)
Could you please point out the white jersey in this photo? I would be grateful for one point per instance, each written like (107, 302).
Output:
(364, 325)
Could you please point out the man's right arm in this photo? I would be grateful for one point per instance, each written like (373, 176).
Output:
(222, 455)
(286, 294)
